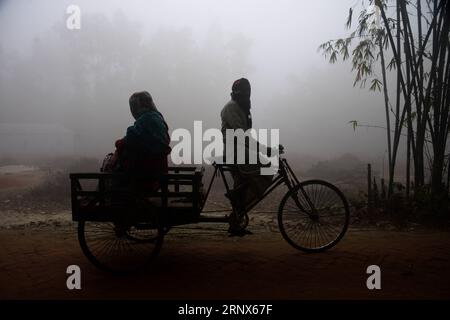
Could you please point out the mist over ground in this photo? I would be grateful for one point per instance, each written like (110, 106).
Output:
(66, 91)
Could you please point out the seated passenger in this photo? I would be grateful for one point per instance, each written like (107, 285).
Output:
(145, 147)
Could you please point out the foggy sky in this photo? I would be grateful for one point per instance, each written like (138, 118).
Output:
(186, 54)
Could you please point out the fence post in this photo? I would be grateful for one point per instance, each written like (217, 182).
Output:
(383, 190)
(369, 185)
(408, 166)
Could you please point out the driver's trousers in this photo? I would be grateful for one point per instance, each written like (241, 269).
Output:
(249, 184)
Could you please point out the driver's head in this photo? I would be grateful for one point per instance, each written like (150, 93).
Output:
(241, 89)
(139, 102)
(240, 92)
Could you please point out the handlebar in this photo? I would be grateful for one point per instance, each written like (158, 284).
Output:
(280, 149)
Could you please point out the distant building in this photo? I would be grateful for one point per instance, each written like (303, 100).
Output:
(35, 139)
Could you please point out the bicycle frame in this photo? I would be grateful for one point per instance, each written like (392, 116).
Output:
(284, 175)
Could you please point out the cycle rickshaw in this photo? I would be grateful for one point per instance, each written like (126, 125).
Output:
(122, 230)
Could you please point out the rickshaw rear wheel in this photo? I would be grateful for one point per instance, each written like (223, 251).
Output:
(124, 244)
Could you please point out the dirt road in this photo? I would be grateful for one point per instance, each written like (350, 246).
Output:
(209, 265)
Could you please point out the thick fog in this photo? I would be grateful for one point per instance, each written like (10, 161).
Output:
(71, 87)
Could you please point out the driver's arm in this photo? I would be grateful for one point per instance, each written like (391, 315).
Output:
(235, 119)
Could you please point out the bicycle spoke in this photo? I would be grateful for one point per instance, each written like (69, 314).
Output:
(313, 229)
(117, 246)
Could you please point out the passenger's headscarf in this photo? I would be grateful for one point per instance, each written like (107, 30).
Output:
(140, 102)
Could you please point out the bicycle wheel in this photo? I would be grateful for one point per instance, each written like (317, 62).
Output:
(318, 228)
(124, 244)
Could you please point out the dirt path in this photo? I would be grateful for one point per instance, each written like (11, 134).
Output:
(210, 265)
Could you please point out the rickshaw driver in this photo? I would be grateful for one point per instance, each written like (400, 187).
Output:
(249, 184)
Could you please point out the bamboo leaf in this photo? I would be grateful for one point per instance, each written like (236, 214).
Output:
(354, 124)
(363, 83)
(392, 64)
(333, 57)
(386, 42)
(376, 85)
(349, 19)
